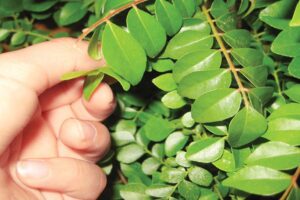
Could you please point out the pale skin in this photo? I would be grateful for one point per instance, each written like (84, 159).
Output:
(50, 137)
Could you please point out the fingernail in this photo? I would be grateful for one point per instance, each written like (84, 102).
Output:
(88, 131)
(35, 169)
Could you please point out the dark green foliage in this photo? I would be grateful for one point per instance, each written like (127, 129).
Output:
(212, 110)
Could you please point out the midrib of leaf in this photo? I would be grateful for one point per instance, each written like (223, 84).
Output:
(216, 34)
(145, 28)
(193, 42)
(205, 60)
(206, 148)
(169, 17)
(119, 44)
(215, 103)
(208, 79)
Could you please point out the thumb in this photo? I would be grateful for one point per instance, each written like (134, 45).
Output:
(26, 73)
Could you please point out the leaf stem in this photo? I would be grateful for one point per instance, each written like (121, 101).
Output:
(31, 33)
(279, 90)
(293, 184)
(216, 34)
(121, 176)
(111, 14)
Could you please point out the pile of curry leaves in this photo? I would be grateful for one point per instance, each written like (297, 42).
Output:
(209, 103)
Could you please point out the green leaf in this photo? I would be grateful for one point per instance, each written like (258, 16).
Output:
(173, 175)
(111, 5)
(4, 33)
(218, 8)
(256, 75)
(294, 194)
(173, 100)
(293, 93)
(260, 96)
(275, 155)
(200, 60)
(286, 111)
(11, 6)
(121, 138)
(18, 38)
(293, 67)
(258, 180)
(200, 176)
(90, 84)
(196, 24)
(246, 126)
(131, 60)
(189, 190)
(216, 105)
(141, 137)
(227, 22)
(175, 142)
(34, 6)
(70, 13)
(160, 190)
(187, 42)
(134, 173)
(168, 16)
(150, 165)
(238, 38)
(207, 194)
(240, 155)
(296, 16)
(126, 125)
(158, 150)
(163, 65)
(157, 107)
(165, 82)
(109, 71)
(217, 129)
(248, 57)
(94, 47)
(99, 7)
(134, 191)
(147, 31)
(187, 120)
(130, 153)
(198, 83)
(206, 150)
(186, 7)
(157, 129)
(181, 159)
(73, 75)
(290, 47)
(284, 124)
(276, 14)
(226, 162)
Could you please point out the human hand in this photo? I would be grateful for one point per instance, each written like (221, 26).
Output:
(50, 137)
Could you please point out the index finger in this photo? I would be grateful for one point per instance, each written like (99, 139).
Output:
(41, 66)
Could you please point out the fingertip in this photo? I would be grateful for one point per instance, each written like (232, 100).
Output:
(89, 139)
(102, 102)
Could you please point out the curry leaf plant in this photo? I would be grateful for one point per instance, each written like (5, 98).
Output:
(208, 93)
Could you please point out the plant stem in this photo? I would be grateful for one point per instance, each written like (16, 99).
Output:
(31, 33)
(275, 74)
(216, 34)
(121, 176)
(112, 13)
(293, 184)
